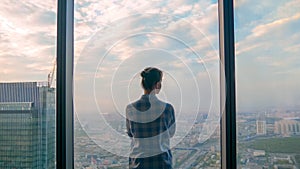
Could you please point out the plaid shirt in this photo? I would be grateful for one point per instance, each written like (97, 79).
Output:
(150, 123)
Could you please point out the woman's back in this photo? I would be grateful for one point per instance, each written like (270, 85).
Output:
(150, 124)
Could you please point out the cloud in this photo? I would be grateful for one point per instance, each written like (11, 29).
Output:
(274, 39)
(183, 9)
(28, 35)
(144, 33)
(267, 50)
(262, 30)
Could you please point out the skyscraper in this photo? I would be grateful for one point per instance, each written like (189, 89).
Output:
(27, 125)
(261, 127)
(287, 127)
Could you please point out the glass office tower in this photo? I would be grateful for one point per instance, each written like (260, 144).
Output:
(27, 125)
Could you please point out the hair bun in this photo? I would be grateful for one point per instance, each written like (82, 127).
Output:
(143, 74)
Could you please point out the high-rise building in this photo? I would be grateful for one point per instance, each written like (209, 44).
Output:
(261, 127)
(27, 125)
(287, 127)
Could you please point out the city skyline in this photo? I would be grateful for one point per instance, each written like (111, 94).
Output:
(114, 41)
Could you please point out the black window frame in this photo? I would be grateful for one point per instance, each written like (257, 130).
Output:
(227, 84)
(64, 84)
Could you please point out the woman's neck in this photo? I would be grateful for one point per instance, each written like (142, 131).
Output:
(148, 92)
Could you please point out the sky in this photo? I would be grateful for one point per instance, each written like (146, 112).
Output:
(115, 40)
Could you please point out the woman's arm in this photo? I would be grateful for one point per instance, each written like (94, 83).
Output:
(128, 128)
(172, 123)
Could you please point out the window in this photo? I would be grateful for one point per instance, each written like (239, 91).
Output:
(267, 63)
(114, 41)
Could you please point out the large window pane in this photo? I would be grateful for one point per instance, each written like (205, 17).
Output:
(267, 61)
(114, 42)
(27, 84)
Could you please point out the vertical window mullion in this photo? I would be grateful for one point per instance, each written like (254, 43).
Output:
(227, 57)
(64, 97)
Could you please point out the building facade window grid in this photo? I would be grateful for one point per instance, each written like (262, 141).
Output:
(27, 137)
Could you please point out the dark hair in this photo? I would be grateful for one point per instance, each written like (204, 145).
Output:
(150, 76)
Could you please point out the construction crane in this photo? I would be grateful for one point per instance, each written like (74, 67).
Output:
(51, 74)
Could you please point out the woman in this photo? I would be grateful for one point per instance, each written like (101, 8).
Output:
(150, 124)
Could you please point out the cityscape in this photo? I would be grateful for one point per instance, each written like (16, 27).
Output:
(266, 139)
(113, 41)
